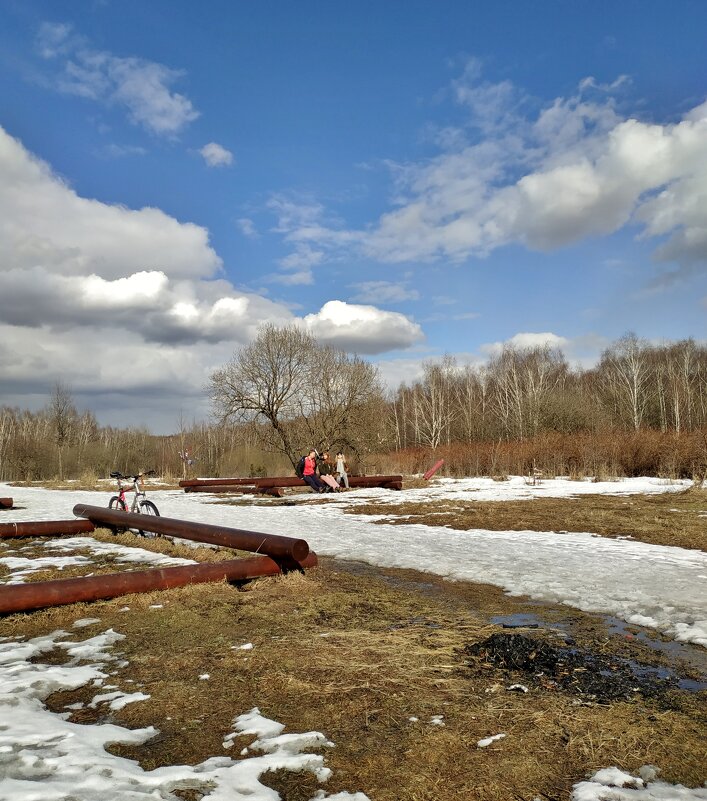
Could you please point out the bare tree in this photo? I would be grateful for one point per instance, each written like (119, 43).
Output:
(7, 432)
(62, 417)
(472, 400)
(624, 368)
(433, 397)
(295, 392)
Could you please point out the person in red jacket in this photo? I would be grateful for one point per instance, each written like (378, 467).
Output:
(309, 474)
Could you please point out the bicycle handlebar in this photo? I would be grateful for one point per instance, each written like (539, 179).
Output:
(117, 474)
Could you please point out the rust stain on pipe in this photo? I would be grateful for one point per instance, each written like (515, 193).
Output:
(45, 528)
(37, 595)
(270, 544)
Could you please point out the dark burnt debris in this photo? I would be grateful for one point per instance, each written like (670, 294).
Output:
(594, 677)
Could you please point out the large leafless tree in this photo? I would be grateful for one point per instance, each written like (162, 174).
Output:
(296, 392)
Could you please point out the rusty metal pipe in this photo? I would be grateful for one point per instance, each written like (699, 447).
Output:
(280, 481)
(435, 467)
(45, 528)
(244, 490)
(374, 481)
(354, 481)
(23, 597)
(271, 544)
(206, 482)
(5, 503)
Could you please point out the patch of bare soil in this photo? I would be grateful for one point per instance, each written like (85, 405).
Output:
(370, 657)
(589, 675)
(671, 518)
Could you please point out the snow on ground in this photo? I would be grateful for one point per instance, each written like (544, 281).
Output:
(44, 756)
(649, 585)
(22, 566)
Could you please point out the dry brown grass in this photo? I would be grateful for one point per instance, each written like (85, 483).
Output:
(675, 518)
(90, 483)
(356, 652)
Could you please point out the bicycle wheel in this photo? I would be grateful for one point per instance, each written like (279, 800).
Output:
(148, 508)
(116, 503)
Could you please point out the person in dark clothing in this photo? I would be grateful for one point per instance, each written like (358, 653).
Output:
(309, 474)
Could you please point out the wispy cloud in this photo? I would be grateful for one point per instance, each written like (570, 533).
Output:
(545, 177)
(383, 292)
(141, 87)
(247, 227)
(299, 278)
(115, 151)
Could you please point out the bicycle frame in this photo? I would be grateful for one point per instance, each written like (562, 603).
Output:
(139, 503)
(136, 488)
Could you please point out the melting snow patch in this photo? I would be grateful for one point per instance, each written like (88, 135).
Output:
(612, 784)
(117, 699)
(45, 756)
(488, 740)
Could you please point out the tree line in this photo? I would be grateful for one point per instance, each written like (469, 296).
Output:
(641, 409)
(523, 392)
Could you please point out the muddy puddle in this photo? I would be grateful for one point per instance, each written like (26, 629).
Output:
(588, 675)
(595, 656)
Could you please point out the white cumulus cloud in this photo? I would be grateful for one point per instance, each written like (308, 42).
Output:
(216, 155)
(362, 329)
(129, 306)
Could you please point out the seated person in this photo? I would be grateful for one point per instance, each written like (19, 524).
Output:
(309, 474)
(326, 473)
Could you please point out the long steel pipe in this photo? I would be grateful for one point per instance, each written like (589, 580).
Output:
(206, 482)
(244, 490)
(23, 597)
(45, 528)
(376, 481)
(270, 544)
(354, 481)
(235, 490)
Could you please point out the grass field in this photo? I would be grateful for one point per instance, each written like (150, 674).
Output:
(371, 657)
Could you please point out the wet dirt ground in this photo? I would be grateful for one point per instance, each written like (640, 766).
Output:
(553, 644)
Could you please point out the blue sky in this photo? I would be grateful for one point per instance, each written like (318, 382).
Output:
(404, 179)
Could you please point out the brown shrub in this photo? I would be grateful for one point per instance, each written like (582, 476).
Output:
(605, 454)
